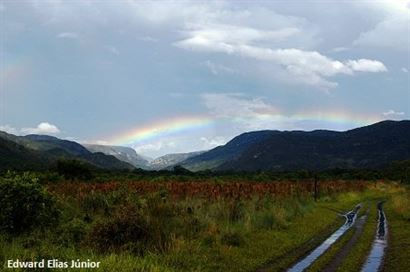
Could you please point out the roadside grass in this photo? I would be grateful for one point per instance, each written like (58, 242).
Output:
(397, 211)
(112, 262)
(155, 231)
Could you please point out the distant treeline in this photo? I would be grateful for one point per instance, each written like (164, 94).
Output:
(80, 170)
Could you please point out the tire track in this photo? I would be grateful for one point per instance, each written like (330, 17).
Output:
(317, 252)
(345, 250)
(375, 259)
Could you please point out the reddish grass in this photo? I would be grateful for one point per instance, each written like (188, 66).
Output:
(207, 189)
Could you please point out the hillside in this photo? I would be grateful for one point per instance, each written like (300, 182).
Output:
(42, 151)
(170, 160)
(122, 153)
(366, 147)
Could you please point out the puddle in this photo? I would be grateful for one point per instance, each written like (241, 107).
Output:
(375, 259)
(308, 260)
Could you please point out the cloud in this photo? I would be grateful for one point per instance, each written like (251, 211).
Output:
(218, 69)
(239, 113)
(391, 32)
(392, 113)
(339, 49)
(308, 67)
(365, 65)
(404, 70)
(101, 142)
(42, 128)
(236, 105)
(236, 35)
(9, 129)
(153, 147)
(211, 142)
(68, 35)
(243, 112)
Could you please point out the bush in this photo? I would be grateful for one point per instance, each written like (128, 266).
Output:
(74, 169)
(25, 204)
(232, 239)
(125, 229)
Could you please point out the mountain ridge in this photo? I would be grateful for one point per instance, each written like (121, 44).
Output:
(42, 151)
(126, 154)
(273, 150)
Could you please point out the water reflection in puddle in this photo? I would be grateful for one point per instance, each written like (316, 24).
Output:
(375, 258)
(308, 260)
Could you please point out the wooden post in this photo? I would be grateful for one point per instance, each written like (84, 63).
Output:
(315, 187)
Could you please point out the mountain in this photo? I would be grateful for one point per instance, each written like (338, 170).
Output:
(126, 154)
(366, 147)
(16, 156)
(45, 142)
(170, 160)
(41, 151)
(232, 150)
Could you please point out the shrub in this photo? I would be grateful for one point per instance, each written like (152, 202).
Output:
(74, 169)
(232, 239)
(127, 227)
(25, 204)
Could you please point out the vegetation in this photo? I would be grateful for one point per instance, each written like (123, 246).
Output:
(24, 204)
(74, 169)
(398, 219)
(183, 222)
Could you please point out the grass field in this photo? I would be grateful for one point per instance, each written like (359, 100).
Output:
(207, 225)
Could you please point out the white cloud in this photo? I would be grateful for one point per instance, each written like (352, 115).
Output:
(339, 49)
(237, 35)
(392, 31)
(404, 70)
(149, 147)
(393, 113)
(236, 105)
(239, 113)
(211, 142)
(365, 65)
(9, 129)
(308, 67)
(101, 142)
(244, 112)
(218, 69)
(42, 128)
(68, 35)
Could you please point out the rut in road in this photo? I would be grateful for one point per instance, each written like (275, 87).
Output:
(317, 252)
(344, 251)
(375, 259)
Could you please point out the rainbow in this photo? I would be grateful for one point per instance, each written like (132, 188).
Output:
(13, 71)
(338, 117)
(344, 119)
(162, 128)
(186, 124)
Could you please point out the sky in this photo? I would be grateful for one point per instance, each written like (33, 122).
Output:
(178, 76)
